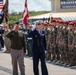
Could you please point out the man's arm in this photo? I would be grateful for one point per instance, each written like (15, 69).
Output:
(9, 34)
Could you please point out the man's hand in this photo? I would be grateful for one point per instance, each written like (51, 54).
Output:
(16, 28)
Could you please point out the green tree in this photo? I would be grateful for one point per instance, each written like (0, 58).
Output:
(14, 16)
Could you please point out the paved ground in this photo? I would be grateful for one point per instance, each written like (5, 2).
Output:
(53, 69)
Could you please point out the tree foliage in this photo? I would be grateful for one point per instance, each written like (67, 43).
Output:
(13, 17)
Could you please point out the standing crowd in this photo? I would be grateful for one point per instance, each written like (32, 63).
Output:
(17, 47)
(61, 42)
(55, 41)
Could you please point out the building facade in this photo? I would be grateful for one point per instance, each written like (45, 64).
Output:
(63, 5)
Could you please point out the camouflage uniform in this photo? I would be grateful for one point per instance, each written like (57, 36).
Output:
(60, 46)
(64, 45)
(74, 49)
(46, 33)
(55, 45)
(70, 41)
(52, 43)
(48, 55)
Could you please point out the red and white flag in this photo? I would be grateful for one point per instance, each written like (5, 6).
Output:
(25, 14)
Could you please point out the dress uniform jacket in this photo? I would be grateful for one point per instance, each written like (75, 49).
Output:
(17, 40)
(39, 42)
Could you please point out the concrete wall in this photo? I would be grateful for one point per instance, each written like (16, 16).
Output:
(55, 7)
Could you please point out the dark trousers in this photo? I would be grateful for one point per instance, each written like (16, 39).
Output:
(36, 57)
(1, 41)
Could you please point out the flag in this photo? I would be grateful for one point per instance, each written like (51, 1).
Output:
(5, 11)
(1, 4)
(25, 14)
(1, 17)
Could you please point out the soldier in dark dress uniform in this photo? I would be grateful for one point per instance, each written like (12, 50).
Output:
(38, 49)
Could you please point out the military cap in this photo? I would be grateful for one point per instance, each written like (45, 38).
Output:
(66, 22)
(44, 23)
(60, 21)
(57, 21)
(75, 25)
(50, 24)
(71, 23)
(54, 20)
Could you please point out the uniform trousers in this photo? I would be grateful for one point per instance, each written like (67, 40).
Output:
(36, 57)
(18, 58)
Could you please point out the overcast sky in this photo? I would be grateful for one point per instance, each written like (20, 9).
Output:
(33, 5)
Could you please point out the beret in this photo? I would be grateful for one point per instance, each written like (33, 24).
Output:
(71, 23)
(61, 21)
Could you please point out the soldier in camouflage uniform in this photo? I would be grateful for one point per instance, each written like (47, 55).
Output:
(50, 41)
(55, 45)
(47, 33)
(45, 28)
(48, 55)
(74, 47)
(70, 42)
(64, 44)
(59, 40)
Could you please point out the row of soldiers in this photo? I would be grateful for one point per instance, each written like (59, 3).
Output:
(61, 41)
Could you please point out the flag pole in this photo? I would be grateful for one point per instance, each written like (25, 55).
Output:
(25, 15)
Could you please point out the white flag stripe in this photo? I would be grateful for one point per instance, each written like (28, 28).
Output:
(25, 13)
